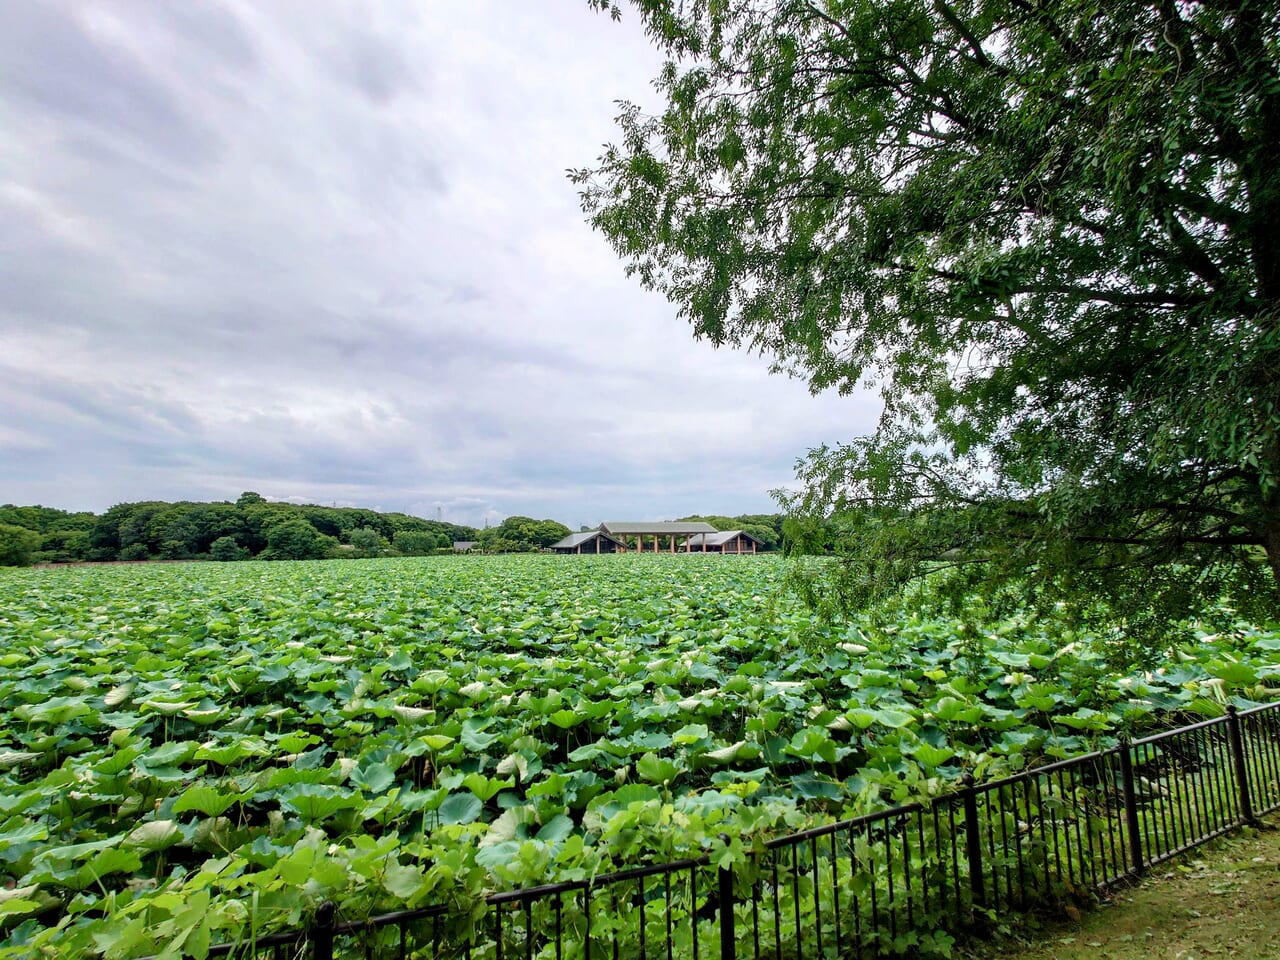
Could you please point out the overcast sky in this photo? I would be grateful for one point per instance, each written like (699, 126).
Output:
(327, 252)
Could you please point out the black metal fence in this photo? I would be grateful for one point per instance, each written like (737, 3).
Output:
(900, 881)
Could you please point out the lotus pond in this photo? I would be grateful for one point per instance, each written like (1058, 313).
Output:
(187, 750)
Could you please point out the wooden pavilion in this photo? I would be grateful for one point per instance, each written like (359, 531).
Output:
(654, 532)
(726, 541)
(589, 541)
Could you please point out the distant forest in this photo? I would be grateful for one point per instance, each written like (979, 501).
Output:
(255, 528)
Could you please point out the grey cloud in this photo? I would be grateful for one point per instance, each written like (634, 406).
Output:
(50, 61)
(381, 292)
(374, 67)
(208, 26)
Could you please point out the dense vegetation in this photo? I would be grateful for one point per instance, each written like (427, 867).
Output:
(1045, 230)
(254, 528)
(249, 527)
(187, 750)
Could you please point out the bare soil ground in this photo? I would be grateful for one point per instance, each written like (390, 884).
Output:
(1220, 900)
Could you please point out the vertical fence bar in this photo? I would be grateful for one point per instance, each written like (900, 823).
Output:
(973, 842)
(1222, 788)
(835, 892)
(1242, 769)
(891, 899)
(857, 903)
(906, 872)
(923, 861)
(1195, 796)
(560, 930)
(644, 917)
(777, 909)
(1166, 784)
(1182, 779)
(1017, 844)
(322, 931)
(795, 900)
(693, 908)
(727, 938)
(955, 862)
(1046, 885)
(872, 885)
(1082, 856)
(1264, 760)
(1130, 807)
(1147, 809)
(755, 915)
(817, 893)
(666, 889)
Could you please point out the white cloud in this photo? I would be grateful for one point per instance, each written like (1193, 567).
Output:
(334, 256)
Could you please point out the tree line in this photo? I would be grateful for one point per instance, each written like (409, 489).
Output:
(249, 528)
(252, 527)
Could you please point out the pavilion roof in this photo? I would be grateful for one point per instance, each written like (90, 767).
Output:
(679, 528)
(574, 539)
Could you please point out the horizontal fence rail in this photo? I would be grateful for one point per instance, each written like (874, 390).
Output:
(895, 882)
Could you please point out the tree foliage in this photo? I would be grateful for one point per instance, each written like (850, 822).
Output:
(186, 530)
(368, 542)
(17, 545)
(293, 539)
(518, 534)
(1046, 229)
(765, 527)
(417, 543)
(226, 549)
(63, 536)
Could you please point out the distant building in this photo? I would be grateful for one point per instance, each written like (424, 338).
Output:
(464, 546)
(728, 541)
(590, 541)
(653, 532)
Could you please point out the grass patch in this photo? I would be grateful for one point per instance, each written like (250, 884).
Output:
(1222, 900)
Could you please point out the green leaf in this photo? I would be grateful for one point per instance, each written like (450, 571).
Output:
(460, 808)
(317, 801)
(375, 778)
(691, 733)
(1236, 674)
(205, 799)
(657, 769)
(404, 882)
(153, 835)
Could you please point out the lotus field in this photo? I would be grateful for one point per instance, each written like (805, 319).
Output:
(190, 751)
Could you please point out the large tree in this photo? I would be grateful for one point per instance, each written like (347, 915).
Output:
(1047, 229)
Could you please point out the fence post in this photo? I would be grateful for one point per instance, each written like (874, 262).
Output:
(322, 931)
(728, 939)
(1130, 806)
(1242, 769)
(972, 841)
